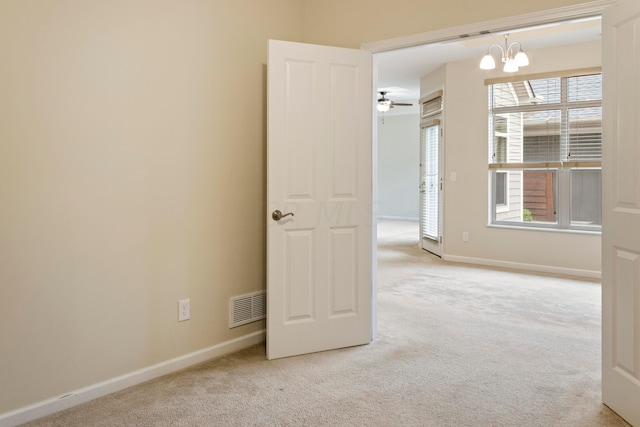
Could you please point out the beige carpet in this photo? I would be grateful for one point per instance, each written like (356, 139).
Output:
(457, 346)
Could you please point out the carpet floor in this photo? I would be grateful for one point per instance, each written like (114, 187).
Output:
(457, 346)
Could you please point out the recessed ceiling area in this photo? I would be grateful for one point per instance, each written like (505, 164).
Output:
(399, 71)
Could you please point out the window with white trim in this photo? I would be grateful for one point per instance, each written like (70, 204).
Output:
(545, 146)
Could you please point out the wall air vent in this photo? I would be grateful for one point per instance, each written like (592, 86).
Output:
(247, 308)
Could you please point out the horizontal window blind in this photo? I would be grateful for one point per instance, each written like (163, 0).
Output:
(551, 121)
(584, 134)
(429, 185)
(540, 76)
(431, 105)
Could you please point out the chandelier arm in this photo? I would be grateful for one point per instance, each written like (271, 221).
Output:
(511, 53)
(502, 51)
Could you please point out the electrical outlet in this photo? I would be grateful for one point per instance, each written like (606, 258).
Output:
(465, 236)
(184, 309)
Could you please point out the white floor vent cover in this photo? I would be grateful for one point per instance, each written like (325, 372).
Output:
(247, 308)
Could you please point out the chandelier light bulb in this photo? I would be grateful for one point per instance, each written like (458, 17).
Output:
(510, 66)
(521, 59)
(487, 63)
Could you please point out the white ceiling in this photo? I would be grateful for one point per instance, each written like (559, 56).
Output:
(399, 71)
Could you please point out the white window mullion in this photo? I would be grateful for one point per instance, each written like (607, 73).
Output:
(564, 198)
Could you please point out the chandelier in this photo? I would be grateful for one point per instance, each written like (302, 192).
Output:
(513, 57)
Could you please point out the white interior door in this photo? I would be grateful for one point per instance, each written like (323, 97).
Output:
(621, 210)
(319, 258)
(431, 186)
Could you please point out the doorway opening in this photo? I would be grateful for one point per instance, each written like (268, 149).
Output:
(464, 227)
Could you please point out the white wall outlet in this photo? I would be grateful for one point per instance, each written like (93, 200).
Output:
(184, 309)
(465, 236)
(453, 177)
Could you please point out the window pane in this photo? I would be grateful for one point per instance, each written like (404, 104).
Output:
(511, 210)
(526, 92)
(584, 88)
(503, 95)
(531, 196)
(501, 188)
(500, 124)
(500, 150)
(507, 144)
(586, 197)
(542, 136)
(546, 91)
(540, 195)
(585, 134)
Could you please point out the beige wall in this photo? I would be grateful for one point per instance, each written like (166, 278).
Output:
(132, 170)
(132, 166)
(466, 199)
(398, 165)
(349, 23)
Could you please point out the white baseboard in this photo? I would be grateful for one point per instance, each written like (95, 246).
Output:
(591, 274)
(398, 218)
(47, 407)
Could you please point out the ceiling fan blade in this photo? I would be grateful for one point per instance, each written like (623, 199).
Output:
(401, 104)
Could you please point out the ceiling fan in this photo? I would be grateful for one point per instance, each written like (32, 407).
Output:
(384, 103)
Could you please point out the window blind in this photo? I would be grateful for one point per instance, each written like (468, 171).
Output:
(550, 122)
(431, 105)
(429, 185)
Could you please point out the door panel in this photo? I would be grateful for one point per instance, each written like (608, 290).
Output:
(299, 283)
(343, 245)
(320, 259)
(621, 210)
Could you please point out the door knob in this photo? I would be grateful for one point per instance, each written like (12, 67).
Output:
(277, 215)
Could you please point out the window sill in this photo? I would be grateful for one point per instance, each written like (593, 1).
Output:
(544, 229)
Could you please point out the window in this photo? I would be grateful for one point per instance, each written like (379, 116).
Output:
(545, 147)
(501, 188)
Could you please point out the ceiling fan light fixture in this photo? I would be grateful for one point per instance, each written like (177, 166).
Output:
(383, 106)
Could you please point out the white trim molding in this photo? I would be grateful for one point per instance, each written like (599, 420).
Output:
(76, 397)
(398, 218)
(589, 274)
(550, 16)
